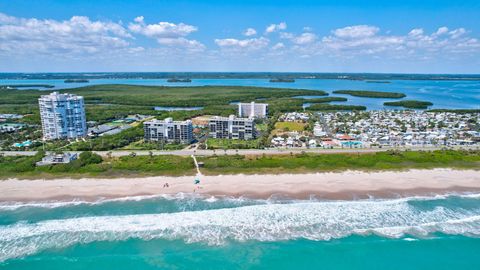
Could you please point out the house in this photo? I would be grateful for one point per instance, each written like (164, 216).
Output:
(52, 159)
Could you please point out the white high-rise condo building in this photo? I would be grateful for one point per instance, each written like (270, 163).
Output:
(232, 128)
(63, 116)
(252, 109)
(168, 131)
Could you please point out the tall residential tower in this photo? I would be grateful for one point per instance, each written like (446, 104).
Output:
(63, 116)
(252, 110)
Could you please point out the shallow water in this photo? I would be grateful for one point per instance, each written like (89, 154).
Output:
(443, 94)
(192, 232)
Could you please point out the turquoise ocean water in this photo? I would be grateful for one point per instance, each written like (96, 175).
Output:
(444, 94)
(191, 232)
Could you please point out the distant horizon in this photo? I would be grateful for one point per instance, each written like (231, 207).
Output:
(240, 72)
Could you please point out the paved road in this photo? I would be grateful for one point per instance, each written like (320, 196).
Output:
(274, 151)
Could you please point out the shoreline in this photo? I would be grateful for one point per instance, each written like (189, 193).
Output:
(348, 185)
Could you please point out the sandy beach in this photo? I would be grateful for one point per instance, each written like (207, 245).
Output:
(335, 185)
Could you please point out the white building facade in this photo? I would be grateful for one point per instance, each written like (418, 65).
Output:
(252, 110)
(232, 128)
(63, 116)
(169, 131)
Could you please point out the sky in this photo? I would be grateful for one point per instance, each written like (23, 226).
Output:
(421, 36)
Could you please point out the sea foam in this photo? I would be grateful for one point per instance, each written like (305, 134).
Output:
(325, 220)
(51, 204)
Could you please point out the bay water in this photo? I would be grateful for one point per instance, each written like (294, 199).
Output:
(444, 94)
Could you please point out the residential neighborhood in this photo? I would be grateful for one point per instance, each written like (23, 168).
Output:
(378, 129)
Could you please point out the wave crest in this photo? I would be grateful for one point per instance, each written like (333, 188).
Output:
(265, 222)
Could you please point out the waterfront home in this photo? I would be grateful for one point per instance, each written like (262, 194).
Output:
(10, 127)
(10, 116)
(53, 158)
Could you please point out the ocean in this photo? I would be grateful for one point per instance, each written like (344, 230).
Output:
(193, 232)
(444, 94)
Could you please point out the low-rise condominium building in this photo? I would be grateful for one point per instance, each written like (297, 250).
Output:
(169, 131)
(232, 128)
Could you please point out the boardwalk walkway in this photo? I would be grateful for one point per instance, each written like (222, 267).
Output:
(196, 165)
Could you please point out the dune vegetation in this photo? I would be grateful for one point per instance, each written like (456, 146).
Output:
(92, 165)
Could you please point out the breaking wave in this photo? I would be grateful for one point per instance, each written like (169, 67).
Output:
(12, 205)
(321, 220)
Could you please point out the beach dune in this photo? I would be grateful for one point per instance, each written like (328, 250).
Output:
(333, 185)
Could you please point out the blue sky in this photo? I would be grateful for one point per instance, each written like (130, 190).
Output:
(318, 36)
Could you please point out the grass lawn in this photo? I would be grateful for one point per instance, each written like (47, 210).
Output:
(232, 144)
(290, 126)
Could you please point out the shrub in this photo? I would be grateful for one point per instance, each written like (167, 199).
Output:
(88, 157)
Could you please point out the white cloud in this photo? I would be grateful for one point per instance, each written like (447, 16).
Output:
(457, 33)
(356, 31)
(441, 31)
(161, 29)
(278, 46)
(366, 40)
(417, 32)
(276, 27)
(302, 39)
(192, 45)
(305, 38)
(166, 33)
(286, 35)
(74, 36)
(250, 32)
(4, 18)
(242, 44)
(139, 19)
